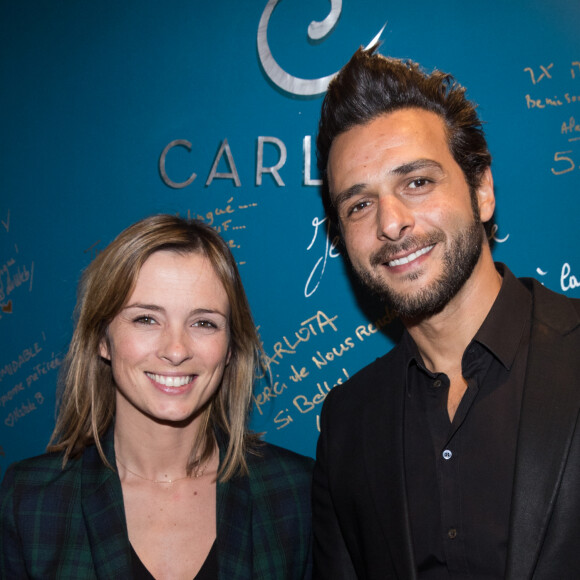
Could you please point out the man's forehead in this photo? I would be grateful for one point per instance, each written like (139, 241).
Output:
(397, 132)
(397, 120)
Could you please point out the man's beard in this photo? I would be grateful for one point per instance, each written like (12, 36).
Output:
(459, 262)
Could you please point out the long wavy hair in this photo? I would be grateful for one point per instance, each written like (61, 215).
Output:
(87, 389)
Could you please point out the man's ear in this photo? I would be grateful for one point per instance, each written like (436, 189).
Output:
(486, 196)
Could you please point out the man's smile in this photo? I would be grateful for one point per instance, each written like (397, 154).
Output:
(410, 257)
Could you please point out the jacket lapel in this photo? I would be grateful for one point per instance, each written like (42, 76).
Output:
(104, 514)
(385, 464)
(549, 413)
(234, 529)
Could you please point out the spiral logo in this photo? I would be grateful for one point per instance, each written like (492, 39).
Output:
(316, 31)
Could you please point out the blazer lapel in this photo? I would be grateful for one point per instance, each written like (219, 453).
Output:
(234, 529)
(385, 462)
(549, 413)
(102, 504)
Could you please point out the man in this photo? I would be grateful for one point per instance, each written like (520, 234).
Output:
(456, 455)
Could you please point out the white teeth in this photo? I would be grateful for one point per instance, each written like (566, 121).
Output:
(410, 257)
(171, 381)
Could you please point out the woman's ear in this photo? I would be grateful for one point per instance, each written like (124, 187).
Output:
(104, 349)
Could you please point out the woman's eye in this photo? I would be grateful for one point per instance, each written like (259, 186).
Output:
(148, 320)
(205, 324)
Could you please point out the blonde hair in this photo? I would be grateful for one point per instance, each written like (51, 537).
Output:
(87, 387)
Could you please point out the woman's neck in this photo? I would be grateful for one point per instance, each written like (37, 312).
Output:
(154, 451)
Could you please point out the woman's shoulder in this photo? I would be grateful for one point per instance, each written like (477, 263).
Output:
(39, 472)
(280, 480)
(269, 461)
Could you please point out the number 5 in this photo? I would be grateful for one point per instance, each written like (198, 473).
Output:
(559, 156)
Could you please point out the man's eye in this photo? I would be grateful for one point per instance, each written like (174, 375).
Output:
(357, 207)
(419, 182)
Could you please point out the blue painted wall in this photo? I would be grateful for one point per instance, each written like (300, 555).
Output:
(92, 93)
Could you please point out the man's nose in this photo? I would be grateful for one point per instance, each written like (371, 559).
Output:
(394, 218)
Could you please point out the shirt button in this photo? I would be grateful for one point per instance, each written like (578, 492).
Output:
(452, 534)
(447, 454)
(437, 383)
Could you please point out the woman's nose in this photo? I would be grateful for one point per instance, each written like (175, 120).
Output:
(175, 347)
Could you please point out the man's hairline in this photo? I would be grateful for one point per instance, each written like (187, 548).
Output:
(446, 128)
(368, 121)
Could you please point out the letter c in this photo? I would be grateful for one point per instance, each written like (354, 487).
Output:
(163, 173)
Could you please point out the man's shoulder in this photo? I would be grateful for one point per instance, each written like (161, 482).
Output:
(556, 310)
(377, 375)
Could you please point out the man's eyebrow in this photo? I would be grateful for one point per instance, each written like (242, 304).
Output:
(400, 170)
(345, 195)
(416, 165)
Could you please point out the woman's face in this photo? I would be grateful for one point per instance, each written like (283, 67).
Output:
(169, 345)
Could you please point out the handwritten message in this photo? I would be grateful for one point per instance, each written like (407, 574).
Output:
(543, 76)
(16, 272)
(23, 357)
(21, 375)
(304, 390)
(320, 238)
(568, 278)
(225, 220)
(24, 409)
(13, 275)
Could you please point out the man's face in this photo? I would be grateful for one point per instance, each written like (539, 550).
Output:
(405, 209)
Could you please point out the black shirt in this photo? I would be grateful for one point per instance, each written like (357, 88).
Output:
(459, 474)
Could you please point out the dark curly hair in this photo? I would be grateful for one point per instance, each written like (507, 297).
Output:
(371, 84)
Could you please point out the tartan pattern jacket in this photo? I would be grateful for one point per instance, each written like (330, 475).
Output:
(71, 523)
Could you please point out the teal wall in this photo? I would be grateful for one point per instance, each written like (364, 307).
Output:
(92, 93)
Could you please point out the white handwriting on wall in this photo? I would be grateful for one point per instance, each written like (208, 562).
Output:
(317, 271)
(568, 280)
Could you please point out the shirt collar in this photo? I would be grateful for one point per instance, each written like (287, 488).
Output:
(503, 327)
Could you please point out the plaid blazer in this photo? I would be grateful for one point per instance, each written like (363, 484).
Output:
(71, 523)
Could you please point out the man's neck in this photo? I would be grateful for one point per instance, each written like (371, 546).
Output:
(443, 337)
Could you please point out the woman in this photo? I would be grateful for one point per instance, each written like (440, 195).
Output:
(151, 470)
